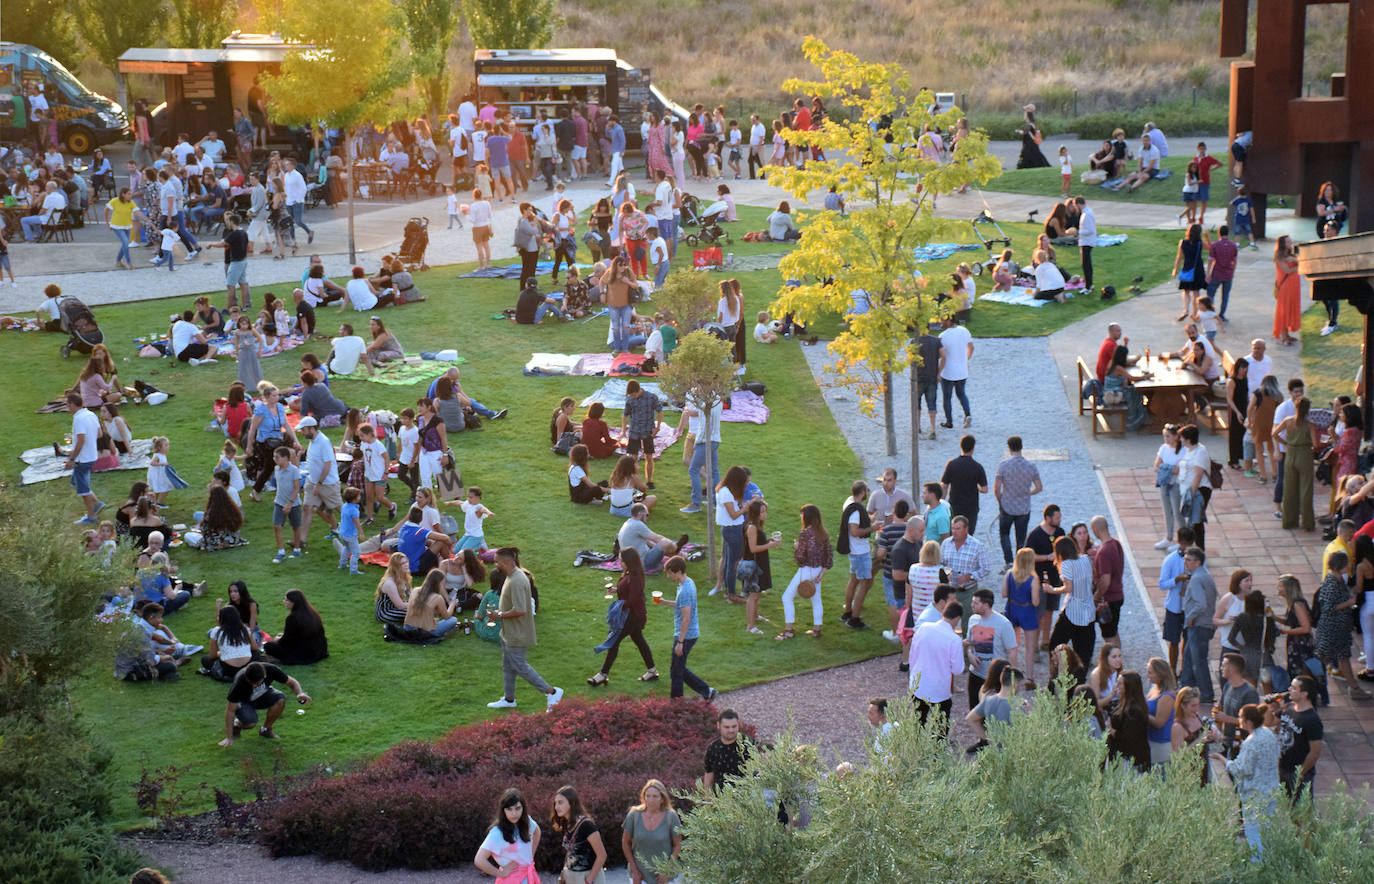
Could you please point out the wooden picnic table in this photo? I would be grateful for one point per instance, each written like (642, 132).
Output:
(1170, 390)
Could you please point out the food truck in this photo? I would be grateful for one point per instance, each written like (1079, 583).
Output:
(85, 119)
(203, 86)
(525, 81)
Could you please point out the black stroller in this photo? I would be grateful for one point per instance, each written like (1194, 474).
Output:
(413, 245)
(710, 232)
(79, 322)
(691, 211)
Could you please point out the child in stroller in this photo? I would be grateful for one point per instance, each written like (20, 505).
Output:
(711, 233)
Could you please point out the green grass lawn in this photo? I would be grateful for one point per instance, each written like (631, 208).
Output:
(1329, 363)
(369, 694)
(1046, 182)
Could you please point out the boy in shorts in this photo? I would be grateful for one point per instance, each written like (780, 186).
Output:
(1243, 212)
(473, 514)
(286, 504)
(639, 423)
(375, 465)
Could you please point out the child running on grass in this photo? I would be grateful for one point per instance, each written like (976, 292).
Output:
(286, 504)
(473, 514)
(375, 466)
(350, 528)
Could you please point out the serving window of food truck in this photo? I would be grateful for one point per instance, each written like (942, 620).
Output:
(527, 81)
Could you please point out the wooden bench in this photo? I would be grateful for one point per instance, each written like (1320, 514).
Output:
(1101, 414)
(1218, 412)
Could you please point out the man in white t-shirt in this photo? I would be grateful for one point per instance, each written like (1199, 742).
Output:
(696, 425)
(467, 115)
(85, 429)
(188, 342)
(346, 350)
(322, 493)
(1185, 352)
(293, 184)
(661, 209)
(183, 150)
(49, 312)
(1261, 366)
(1147, 166)
(658, 256)
(757, 133)
(214, 148)
(956, 349)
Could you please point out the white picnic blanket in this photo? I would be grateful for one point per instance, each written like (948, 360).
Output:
(44, 466)
(555, 363)
(1020, 296)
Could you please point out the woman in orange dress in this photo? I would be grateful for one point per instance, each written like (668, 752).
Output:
(1287, 292)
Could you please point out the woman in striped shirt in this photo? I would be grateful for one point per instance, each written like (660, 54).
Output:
(1077, 622)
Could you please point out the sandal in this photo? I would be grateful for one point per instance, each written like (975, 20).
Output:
(784, 635)
(651, 675)
(598, 680)
(754, 630)
(814, 632)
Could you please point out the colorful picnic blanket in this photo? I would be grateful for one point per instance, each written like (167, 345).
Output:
(936, 250)
(512, 271)
(745, 407)
(612, 394)
(402, 374)
(20, 323)
(1114, 183)
(583, 364)
(1024, 295)
(686, 552)
(44, 465)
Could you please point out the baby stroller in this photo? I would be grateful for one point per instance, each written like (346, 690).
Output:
(413, 245)
(79, 322)
(988, 242)
(711, 233)
(424, 169)
(691, 211)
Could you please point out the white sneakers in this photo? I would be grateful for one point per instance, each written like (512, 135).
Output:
(1163, 544)
(1327, 329)
(554, 698)
(502, 703)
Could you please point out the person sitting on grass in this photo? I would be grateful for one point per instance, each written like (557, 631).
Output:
(301, 641)
(232, 646)
(1049, 281)
(252, 691)
(625, 484)
(1147, 166)
(596, 435)
(763, 331)
(531, 306)
(581, 489)
(142, 659)
(393, 591)
(430, 609)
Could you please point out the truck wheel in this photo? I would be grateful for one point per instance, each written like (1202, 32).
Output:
(79, 140)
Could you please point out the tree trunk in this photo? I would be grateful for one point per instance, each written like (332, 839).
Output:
(352, 186)
(915, 436)
(708, 498)
(889, 419)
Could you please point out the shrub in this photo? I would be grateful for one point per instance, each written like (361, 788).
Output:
(54, 803)
(429, 805)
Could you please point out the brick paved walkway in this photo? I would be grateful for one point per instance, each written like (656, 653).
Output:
(1242, 532)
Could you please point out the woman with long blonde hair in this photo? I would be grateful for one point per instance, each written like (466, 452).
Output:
(1021, 589)
(651, 835)
(393, 590)
(1160, 701)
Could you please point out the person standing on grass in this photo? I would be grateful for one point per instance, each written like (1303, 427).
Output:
(1087, 240)
(516, 616)
(252, 690)
(286, 505)
(963, 480)
(639, 423)
(322, 493)
(686, 631)
(85, 430)
(855, 526)
(630, 590)
(1017, 480)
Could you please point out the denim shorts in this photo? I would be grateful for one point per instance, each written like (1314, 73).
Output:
(236, 273)
(81, 478)
(1173, 626)
(861, 565)
(4, 260)
(280, 516)
(890, 593)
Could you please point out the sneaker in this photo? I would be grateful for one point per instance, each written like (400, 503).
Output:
(846, 617)
(930, 436)
(279, 557)
(968, 420)
(193, 362)
(85, 520)
(210, 361)
(891, 636)
(297, 553)
(554, 698)
(1254, 246)
(711, 695)
(1251, 474)
(502, 703)
(715, 591)
(903, 667)
(99, 505)
(500, 414)
(1278, 514)
(856, 623)
(156, 262)
(948, 425)
(191, 254)
(691, 509)
(1162, 544)
(309, 237)
(1327, 329)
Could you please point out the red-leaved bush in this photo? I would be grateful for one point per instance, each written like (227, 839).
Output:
(429, 805)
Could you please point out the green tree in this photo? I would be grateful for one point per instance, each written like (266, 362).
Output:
(511, 24)
(110, 28)
(348, 79)
(875, 161)
(1039, 805)
(202, 24)
(701, 374)
(48, 24)
(691, 298)
(430, 25)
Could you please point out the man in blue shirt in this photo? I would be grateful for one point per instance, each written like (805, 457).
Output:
(616, 134)
(1173, 579)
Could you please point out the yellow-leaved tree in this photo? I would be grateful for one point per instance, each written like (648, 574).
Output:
(874, 140)
(346, 74)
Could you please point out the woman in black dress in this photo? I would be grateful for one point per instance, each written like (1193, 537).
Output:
(1031, 157)
(754, 571)
(301, 641)
(1190, 266)
(1129, 734)
(1238, 403)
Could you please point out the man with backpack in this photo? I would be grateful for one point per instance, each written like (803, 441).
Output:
(852, 539)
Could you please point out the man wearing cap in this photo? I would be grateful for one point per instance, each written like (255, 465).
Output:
(321, 477)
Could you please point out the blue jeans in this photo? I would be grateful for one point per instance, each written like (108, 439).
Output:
(298, 216)
(620, 321)
(957, 388)
(1225, 286)
(546, 308)
(123, 236)
(698, 464)
(1194, 672)
(482, 409)
(31, 224)
(660, 274)
(444, 626)
(679, 674)
(201, 215)
(164, 256)
(1253, 814)
(733, 538)
(1005, 523)
(179, 220)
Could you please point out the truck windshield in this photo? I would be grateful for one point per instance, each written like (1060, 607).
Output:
(60, 76)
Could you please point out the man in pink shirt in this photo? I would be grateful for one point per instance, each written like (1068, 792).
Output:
(937, 655)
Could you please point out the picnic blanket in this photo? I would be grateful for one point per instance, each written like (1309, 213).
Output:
(512, 271)
(402, 373)
(44, 465)
(221, 347)
(555, 364)
(583, 364)
(936, 250)
(1114, 183)
(745, 407)
(1110, 239)
(686, 552)
(743, 263)
(627, 365)
(1024, 295)
(20, 323)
